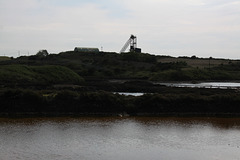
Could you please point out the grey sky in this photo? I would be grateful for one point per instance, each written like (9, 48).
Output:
(166, 27)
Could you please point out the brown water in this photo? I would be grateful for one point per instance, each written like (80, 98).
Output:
(120, 139)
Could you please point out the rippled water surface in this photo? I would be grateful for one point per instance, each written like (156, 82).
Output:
(120, 139)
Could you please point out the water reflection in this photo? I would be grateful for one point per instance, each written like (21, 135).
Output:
(221, 85)
(222, 123)
(116, 138)
(129, 94)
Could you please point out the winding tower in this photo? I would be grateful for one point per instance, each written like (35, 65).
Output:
(132, 42)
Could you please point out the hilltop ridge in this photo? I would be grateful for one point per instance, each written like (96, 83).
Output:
(142, 66)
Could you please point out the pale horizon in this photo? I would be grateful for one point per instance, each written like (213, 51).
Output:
(204, 28)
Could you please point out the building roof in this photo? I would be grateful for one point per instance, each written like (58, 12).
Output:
(85, 49)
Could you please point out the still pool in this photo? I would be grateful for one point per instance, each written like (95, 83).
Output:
(220, 85)
(114, 138)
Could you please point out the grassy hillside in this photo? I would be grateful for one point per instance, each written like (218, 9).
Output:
(37, 75)
(105, 65)
(198, 62)
(4, 58)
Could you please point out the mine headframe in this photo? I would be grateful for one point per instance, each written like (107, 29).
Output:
(132, 42)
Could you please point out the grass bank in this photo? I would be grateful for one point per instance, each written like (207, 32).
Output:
(45, 75)
(197, 102)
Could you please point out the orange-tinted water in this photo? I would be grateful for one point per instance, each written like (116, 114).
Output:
(134, 138)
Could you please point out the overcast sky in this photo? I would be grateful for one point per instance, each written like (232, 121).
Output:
(165, 27)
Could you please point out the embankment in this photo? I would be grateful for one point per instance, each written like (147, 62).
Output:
(66, 102)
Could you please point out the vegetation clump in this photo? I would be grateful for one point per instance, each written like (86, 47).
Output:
(67, 102)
